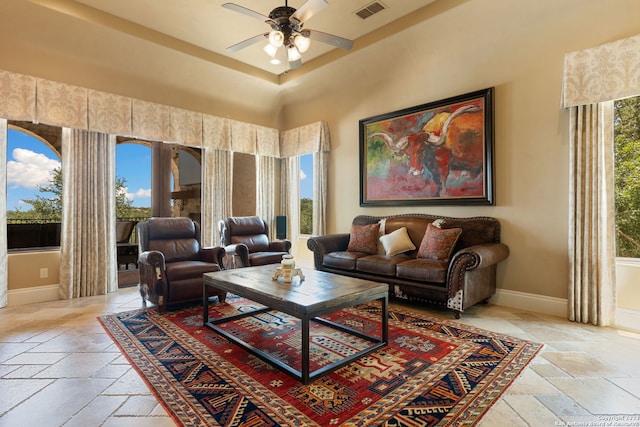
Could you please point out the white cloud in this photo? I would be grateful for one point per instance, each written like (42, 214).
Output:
(141, 194)
(29, 169)
(303, 175)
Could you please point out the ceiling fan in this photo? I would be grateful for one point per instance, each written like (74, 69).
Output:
(287, 31)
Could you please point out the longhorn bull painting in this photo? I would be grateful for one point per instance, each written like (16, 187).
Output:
(437, 153)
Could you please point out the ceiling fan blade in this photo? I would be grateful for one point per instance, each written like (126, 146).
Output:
(336, 41)
(307, 10)
(245, 11)
(294, 65)
(248, 42)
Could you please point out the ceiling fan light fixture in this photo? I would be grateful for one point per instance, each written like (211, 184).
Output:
(270, 49)
(274, 61)
(276, 38)
(302, 43)
(293, 54)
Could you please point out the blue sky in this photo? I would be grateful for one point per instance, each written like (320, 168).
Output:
(306, 176)
(30, 162)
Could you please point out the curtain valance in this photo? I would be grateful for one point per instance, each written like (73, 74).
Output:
(312, 138)
(110, 114)
(602, 73)
(18, 100)
(38, 100)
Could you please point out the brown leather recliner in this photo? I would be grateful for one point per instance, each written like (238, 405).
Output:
(172, 262)
(247, 237)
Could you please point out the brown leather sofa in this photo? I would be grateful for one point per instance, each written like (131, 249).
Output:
(466, 278)
(247, 237)
(172, 262)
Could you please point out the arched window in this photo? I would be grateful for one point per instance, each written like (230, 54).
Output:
(34, 186)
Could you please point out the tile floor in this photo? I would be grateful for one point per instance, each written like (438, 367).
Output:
(58, 367)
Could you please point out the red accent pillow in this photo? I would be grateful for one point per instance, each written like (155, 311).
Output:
(364, 238)
(438, 243)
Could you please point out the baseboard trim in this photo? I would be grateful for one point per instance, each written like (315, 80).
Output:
(628, 319)
(531, 302)
(33, 295)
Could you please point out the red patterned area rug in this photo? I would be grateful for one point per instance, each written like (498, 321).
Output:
(433, 372)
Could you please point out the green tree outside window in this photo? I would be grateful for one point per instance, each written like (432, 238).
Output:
(627, 176)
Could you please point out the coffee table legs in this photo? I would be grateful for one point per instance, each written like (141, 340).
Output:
(304, 371)
(304, 375)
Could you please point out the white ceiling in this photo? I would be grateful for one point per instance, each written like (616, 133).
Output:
(205, 24)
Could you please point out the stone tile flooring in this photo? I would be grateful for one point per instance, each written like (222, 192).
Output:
(58, 367)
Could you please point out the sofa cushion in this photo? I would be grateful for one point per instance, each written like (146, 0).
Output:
(344, 260)
(364, 238)
(383, 265)
(397, 242)
(381, 233)
(423, 270)
(438, 243)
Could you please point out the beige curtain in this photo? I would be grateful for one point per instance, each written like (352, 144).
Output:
(592, 79)
(266, 182)
(320, 187)
(320, 180)
(88, 242)
(3, 216)
(308, 139)
(592, 287)
(217, 185)
(290, 198)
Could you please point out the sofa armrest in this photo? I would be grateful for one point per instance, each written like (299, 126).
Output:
(213, 254)
(471, 276)
(279, 245)
(480, 256)
(321, 245)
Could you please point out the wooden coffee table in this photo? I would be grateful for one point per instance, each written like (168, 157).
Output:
(319, 294)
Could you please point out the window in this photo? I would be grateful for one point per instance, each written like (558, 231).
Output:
(133, 181)
(306, 194)
(627, 176)
(34, 190)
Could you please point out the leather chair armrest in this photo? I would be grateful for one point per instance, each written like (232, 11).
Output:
(279, 246)
(152, 258)
(325, 244)
(213, 254)
(153, 279)
(240, 250)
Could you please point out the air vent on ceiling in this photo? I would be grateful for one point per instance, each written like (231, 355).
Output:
(371, 9)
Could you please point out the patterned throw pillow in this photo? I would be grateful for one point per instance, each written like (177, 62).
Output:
(364, 238)
(397, 242)
(438, 243)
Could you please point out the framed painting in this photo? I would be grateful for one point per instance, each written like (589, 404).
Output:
(435, 153)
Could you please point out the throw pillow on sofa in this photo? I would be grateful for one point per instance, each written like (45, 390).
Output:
(438, 243)
(397, 241)
(364, 238)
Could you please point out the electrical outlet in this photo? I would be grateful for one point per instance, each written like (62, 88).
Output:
(44, 273)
